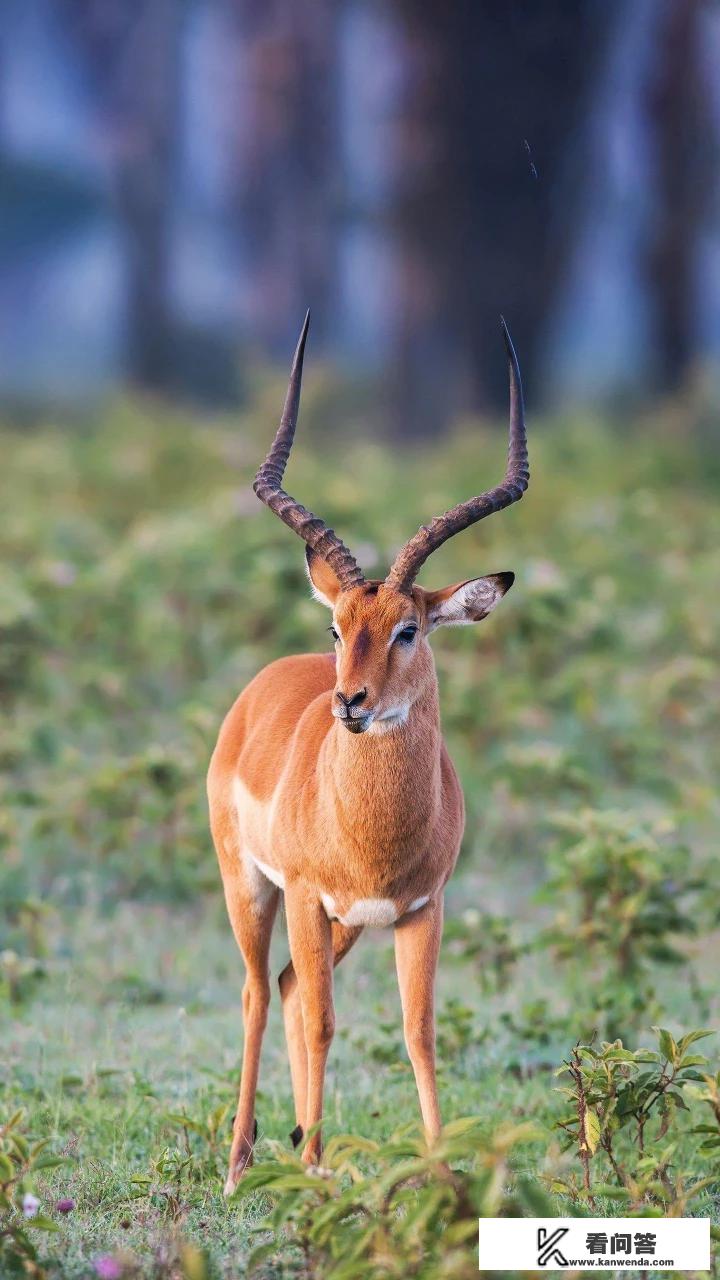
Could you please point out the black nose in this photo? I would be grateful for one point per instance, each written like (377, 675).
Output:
(356, 699)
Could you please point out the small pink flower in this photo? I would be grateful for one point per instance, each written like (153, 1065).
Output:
(30, 1205)
(65, 1206)
(108, 1268)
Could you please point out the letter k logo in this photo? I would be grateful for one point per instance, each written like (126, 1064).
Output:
(547, 1243)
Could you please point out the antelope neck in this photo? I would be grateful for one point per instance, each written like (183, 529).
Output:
(397, 772)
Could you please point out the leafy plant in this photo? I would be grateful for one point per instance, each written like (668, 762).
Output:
(18, 975)
(21, 1160)
(710, 1133)
(535, 1022)
(208, 1139)
(166, 1182)
(457, 1030)
(621, 896)
(376, 1211)
(23, 938)
(625, 1104)
(489, 942)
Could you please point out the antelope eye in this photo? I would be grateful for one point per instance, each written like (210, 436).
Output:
(407, 635)
(335, 635)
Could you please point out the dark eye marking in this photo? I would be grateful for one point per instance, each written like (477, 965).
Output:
(362, 643)
(335, 635)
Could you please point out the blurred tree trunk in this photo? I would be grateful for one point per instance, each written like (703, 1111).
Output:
(683, 132)
(147, 96)
(129, 51)
(282, 186)
(493, 93)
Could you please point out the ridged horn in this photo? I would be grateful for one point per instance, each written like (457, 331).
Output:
(429, 537)
(268, 485)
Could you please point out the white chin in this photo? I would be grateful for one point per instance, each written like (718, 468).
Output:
(386, 723)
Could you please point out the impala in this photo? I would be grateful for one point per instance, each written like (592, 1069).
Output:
(331, 783)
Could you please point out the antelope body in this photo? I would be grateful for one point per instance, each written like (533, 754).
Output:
(331, 783)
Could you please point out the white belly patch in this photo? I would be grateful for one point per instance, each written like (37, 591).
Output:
(364, 911)
(373, 912)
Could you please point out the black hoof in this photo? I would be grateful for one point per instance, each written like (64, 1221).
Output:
(296, 1136)
(255, 1132)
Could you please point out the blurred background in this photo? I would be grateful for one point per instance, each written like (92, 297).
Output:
(180, 181)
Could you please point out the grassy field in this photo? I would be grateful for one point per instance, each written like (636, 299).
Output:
(141, 586)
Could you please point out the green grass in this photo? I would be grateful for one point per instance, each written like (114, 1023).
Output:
(141, 586)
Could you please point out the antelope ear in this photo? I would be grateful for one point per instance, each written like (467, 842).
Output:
(324, 582)
(466, 601)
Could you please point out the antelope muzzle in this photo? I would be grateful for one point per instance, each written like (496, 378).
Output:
(351, 710)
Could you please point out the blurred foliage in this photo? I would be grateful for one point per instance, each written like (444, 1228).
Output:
(490, 942)
(624, 896)
(629, 891)
(141, 586)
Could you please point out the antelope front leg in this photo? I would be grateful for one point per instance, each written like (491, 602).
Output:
(252, 921)
(417, 946)
(342, 938)
(310, 937)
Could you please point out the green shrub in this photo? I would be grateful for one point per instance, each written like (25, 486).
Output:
(626, 1106)
(375, 1210)
(622, 897)
(21, 1160)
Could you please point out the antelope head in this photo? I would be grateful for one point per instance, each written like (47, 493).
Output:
(380, 627)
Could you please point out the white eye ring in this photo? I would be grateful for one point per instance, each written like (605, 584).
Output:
(401, 627)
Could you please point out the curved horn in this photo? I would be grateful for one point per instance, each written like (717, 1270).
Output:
(267, 485)
(517, 477)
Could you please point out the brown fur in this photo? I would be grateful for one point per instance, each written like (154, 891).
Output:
(352, 816)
